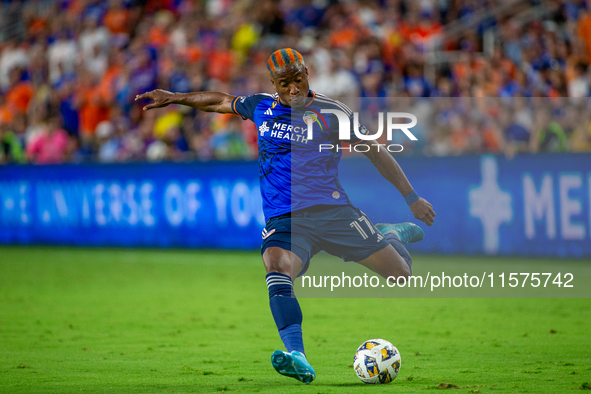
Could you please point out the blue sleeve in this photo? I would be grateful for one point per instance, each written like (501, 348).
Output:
(245, 105)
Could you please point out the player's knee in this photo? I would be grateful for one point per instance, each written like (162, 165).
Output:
(277, 266)
(401, 268)
(405, 271)
(278, 260)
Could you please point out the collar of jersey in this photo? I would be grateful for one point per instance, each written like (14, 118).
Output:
(310, 94)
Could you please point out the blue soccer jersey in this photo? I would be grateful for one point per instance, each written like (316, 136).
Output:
(293, 171)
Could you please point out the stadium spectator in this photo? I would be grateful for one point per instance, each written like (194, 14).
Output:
(87, 57)
(13, 55)
(228, 142)
(578, 86)
(61, 54)
(36, 121)
(92, 106)
(49, 146)
(584, 29)
(68, 109)
(336, 80)
(12, 134)
(20, 92)
(117, 20)
(581, 138)
(94, 45)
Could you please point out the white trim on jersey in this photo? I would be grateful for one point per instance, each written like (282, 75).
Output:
(323, 99)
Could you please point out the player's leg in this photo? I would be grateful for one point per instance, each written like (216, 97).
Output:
(351, 235)
(283, 261)
(282, 267)
(387, 262)
(399, 234)
(394, 261)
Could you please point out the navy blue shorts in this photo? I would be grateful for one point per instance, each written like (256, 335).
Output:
(341, 230)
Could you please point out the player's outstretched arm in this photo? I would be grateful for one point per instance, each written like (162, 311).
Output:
(204, 101)
(391, 171)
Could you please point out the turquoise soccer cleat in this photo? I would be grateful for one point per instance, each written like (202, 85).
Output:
(294, 365)
(407, 232)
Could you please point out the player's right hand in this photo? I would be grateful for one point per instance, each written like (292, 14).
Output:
(422, 210)
(161, 98)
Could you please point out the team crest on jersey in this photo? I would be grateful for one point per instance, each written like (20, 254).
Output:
(309, 115)
(263, 128)
(362, 129)
(336, 195)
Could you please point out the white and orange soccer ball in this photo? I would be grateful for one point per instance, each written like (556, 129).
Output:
(376, 361)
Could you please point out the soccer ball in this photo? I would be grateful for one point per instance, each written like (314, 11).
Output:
(376, 361)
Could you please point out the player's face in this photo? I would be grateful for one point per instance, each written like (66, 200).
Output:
(292, 86)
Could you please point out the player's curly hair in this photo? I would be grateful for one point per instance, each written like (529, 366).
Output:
(282, 58)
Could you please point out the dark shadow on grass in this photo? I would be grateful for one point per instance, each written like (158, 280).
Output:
(294, 383)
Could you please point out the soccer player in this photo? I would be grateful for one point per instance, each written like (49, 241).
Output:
(304, 204)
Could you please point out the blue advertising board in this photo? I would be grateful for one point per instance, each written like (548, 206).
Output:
(214, 205)
(531, 205)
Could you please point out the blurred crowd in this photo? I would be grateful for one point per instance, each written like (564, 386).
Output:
(70, 69)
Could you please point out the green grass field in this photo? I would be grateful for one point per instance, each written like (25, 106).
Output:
(152, 321)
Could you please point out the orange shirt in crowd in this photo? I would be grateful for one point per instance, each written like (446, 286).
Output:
(343, 38)
(584, 30)
(20, 95)
(192, 52)
(105, 86)
(391, 43)
(36, 26)
(76, 7)
(219, 65)
(92, 111)
(461, 70)
(491, 140)
(117, 21)
(6, 115)
(158, 36)
(419, 31)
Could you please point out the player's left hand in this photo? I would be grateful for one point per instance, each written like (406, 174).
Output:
(423, 211)
(161, 98)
